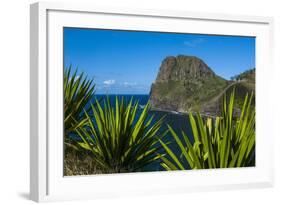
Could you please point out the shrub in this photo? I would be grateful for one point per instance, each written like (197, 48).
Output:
(120, 137)
(78, 92)
(226, 141)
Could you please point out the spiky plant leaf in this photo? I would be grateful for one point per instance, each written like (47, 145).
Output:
(122, 138)
(218, 143)
(78, 92)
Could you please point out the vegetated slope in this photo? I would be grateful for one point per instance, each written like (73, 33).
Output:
(246, 83)
(186, 83)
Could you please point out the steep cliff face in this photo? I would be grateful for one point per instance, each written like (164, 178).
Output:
(182, 68)
(185, 83)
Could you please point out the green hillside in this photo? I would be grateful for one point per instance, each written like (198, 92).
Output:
(189, 94)
(243, 86)
(187, 84)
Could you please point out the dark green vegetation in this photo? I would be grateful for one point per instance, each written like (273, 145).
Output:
(242, 88)
(248, 75)
(187, 95)
(106, 137)
(78, 92)
(244, 83)
(186, 83)
(118, 140)
(223, 142)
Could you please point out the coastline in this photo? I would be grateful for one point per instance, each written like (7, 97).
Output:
(203, 114)
(144, 98)
(168, 111)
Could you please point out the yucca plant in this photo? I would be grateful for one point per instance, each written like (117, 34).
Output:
(78, 92)
(223, 142)
(120, 137)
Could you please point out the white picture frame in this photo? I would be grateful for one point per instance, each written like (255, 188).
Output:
(47, 182)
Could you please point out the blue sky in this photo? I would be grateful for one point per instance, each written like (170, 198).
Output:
(127, 62)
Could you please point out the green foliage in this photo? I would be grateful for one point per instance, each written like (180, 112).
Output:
(78, 92)
(248, 75)
(119, 138)
(191, 93)
(241, 90)
(218, 143)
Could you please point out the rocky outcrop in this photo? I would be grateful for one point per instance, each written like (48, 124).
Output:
(181, 68)
(188, 84)
(184, 83)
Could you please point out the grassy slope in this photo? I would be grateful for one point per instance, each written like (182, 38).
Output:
(206, 95)
(246, 85)
(193, 93)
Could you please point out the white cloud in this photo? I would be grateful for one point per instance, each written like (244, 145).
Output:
(109, 82)
(129, 84)
(194, 42)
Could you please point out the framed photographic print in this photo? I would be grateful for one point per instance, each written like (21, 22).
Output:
(127, 102)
